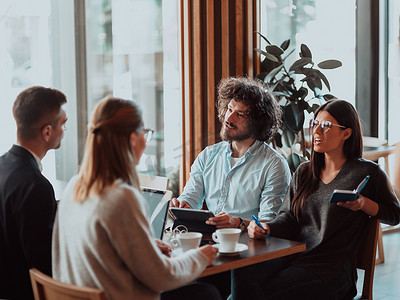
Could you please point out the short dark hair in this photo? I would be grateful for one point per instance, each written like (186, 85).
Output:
(36, 107)
(265, 114)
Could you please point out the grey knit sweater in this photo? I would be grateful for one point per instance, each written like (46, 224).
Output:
(107, 243)
(332, 233)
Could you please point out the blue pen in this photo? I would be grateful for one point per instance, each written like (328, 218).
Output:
(259, 224)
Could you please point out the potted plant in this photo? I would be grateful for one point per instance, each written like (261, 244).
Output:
(298, 89)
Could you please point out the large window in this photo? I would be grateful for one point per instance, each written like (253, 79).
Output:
(129, 48)
(326, 27)
(393, 69)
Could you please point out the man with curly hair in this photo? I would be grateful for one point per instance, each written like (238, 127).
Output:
(242, 175)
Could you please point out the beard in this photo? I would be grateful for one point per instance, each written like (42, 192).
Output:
(234, 134)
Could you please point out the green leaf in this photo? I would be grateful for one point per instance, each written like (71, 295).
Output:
(267, 55)
(267, 65)
(262, 75)
(287, 55)
(300, 63)
(314, 83)
(317, 92)
(293, 117)
(330, 64)
(305, 51)
(274, 50)
(303, 105)
(303, 92)
(285, 44)
(288, 138)
(278, 140)
(272, 74)
(329, 97)
(313, 108)
(294, 160)
(261, 51)
(324, 79)
(281, 94)
(265, 39)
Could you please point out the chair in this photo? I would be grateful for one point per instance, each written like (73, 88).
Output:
(367, 256)
(375, 148)
(155, 182)
(46, 288)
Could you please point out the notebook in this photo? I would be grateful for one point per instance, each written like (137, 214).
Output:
(348, 195)
(158, 202)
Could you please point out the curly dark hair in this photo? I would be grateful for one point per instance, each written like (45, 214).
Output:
(265, 114)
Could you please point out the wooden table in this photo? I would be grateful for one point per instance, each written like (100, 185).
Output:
(259, 251)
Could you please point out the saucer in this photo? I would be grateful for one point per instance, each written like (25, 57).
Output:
(239, 248)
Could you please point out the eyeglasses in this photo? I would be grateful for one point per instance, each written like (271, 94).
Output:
(148, 134)
(325, 125)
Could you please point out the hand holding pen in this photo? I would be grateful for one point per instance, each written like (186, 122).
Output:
(251, 234)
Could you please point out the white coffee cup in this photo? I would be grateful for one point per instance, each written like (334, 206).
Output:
(187, 240)
(227, 238)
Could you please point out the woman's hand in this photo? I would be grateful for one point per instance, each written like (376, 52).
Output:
(365, 204)
(210, 252)
(224, 220)
(165, 248)
(255, 232)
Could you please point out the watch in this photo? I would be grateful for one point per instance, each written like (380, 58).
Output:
(242, 225)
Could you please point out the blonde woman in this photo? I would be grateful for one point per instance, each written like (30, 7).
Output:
(102, 236)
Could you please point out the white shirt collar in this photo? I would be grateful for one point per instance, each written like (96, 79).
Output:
(38, 161)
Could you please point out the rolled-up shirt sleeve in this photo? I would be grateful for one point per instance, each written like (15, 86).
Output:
(275, 188)
(193, 192)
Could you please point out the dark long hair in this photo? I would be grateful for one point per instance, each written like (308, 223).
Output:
(346, 115)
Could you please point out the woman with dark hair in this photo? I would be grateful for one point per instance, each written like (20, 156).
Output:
(102, 236)
(332, 232)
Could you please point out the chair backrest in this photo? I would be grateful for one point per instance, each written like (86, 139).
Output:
(155, 182)
(366, 257)
(46, 288)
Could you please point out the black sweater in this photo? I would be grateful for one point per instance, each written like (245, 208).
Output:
(333, 233)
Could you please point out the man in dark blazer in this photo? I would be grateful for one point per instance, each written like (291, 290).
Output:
(27, 203)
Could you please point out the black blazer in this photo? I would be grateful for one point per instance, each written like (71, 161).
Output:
(27, 210)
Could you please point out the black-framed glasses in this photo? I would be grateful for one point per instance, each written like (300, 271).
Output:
(148, 134)
(325, 125)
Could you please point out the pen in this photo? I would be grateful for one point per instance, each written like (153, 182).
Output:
(259, 225)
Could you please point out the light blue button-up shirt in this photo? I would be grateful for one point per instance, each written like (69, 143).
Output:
(257, 184)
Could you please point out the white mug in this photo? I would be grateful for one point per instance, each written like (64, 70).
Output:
(227, 238)
(187, 240)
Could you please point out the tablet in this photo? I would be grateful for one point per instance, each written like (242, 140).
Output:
(158, 202)
(191, 214)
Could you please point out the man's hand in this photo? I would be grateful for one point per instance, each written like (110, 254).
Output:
(255, 232)
(179, 203)
(224, 220)
(165, 249)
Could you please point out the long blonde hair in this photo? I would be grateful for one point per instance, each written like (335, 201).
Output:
(108, 154)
